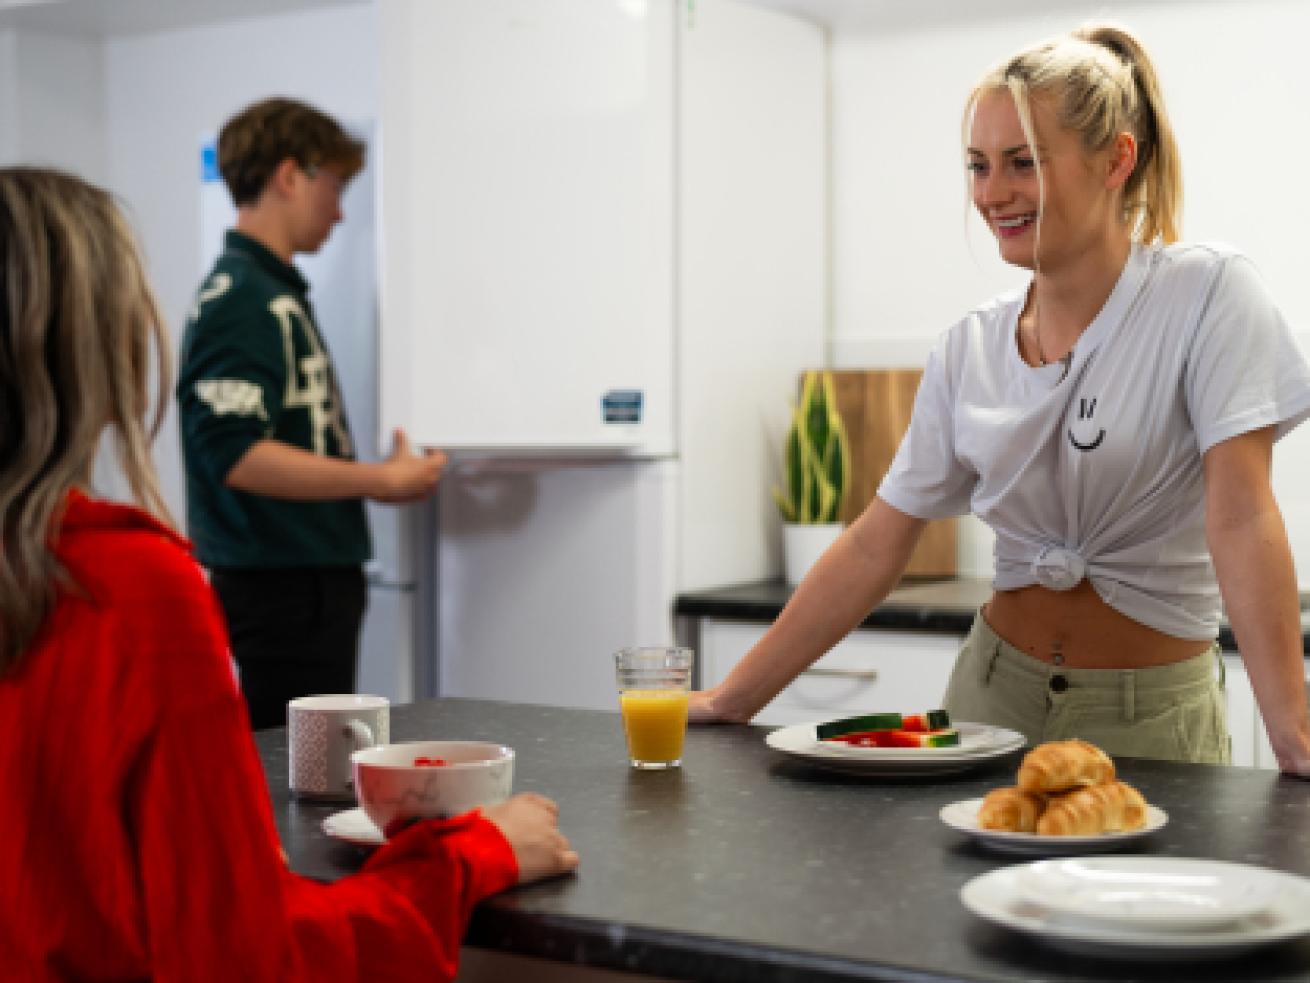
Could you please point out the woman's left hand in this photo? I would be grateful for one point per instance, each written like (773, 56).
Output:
(1293, 751)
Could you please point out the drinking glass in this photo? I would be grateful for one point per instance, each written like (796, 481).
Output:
(654, 682)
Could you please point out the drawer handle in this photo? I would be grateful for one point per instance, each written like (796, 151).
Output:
(863, 675)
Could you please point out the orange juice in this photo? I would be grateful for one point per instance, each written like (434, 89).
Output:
(656, 722)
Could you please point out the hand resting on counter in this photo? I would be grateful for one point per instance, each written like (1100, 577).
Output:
(530, 823)
(705, 707)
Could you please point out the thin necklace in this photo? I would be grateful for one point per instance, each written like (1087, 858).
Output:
(1037, 339)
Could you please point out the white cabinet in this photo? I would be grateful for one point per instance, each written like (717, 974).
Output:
(604, 225)
(528, 221)
(868, 670)
(1243, 719)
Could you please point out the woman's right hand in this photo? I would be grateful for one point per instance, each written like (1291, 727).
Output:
(706, 707)
(700, 708)
(530, 823)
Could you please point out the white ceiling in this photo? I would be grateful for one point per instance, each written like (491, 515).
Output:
(103, 17)
(857, 16)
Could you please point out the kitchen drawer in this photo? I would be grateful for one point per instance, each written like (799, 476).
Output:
(867, 671)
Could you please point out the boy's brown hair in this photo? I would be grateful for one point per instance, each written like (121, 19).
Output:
(256, 140)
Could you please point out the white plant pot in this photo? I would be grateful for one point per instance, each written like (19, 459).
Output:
(802, 545)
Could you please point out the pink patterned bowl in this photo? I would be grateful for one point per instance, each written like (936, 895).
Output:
(391, 786)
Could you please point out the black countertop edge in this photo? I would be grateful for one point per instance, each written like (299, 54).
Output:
(943, 606)
(498, 926)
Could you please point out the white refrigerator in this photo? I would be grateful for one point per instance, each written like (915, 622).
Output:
(603, 265)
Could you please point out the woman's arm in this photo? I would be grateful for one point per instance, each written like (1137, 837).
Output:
(216, 898)
(853, 576)
(1254, 562)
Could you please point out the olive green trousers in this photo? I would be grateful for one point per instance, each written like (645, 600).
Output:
(1176, 712)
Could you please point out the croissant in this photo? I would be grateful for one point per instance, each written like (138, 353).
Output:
(1114, 807)
(1011, 809)
(1060, 765)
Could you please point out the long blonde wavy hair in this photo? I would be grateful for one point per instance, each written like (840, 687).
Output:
(80, 337)
(1101, 82)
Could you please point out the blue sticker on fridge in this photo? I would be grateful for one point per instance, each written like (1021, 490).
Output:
(621, 406)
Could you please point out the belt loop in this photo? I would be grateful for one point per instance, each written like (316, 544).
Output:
(1223, 670)
(989, 657)
(1128, 685)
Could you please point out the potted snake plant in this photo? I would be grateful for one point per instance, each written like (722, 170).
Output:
(816, 474)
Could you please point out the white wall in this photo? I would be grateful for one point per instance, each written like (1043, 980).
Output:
(9, 151)
(752, 261)
(50, 102)
(164, 90)
(60, 119)
(906, 267)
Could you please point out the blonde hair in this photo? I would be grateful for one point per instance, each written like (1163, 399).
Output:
(78, 327)
(1101, 83)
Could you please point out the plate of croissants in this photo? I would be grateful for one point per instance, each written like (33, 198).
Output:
(1066, 800)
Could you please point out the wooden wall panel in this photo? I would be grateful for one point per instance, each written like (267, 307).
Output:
(875, 405)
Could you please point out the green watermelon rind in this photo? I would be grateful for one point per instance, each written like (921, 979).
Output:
(937, 719)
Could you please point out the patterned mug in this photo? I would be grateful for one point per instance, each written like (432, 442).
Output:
(322, 733)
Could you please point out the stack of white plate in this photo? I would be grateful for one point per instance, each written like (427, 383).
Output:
(1144, 907)
(979, 744)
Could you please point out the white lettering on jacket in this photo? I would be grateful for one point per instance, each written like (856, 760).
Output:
(235, 396)
(216, 287)
(309, 381)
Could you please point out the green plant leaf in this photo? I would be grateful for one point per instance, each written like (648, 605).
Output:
(794, 464)
(787, 509)
(816, 457)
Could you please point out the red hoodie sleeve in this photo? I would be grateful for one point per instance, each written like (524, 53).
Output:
(410, 905)
(218, 901)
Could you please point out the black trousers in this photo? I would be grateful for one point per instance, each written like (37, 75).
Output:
(294, 632)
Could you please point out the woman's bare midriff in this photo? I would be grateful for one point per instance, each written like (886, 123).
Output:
(1077, 629)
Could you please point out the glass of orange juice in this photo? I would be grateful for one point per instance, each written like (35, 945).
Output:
(653, 685)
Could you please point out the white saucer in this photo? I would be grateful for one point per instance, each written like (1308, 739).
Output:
(1000, 898)
(963, 816)
(1152, 893)
(353, 826)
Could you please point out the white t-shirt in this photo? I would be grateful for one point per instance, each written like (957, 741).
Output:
(1099, 473)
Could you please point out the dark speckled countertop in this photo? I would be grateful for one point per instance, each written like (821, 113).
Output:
(925, 605)
(749, 865)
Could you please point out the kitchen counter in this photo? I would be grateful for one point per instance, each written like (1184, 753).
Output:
(928, 605)
(749, 865)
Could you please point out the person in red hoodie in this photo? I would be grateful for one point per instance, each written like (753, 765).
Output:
(136, 836)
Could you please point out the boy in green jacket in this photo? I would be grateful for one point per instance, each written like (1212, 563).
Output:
(274, 492)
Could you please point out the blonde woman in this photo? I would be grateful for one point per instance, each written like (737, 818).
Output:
(1113, 423)
(136, 838)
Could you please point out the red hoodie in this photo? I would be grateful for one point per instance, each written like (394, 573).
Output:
(136, 836)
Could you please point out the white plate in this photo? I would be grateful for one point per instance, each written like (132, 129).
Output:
(998, 898)
(353, 826)
(979, 743)
(963, 816)
(1162, 893)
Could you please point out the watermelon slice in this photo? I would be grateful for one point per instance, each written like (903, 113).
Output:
(920, 722)
(941, 737)
(872, 722)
